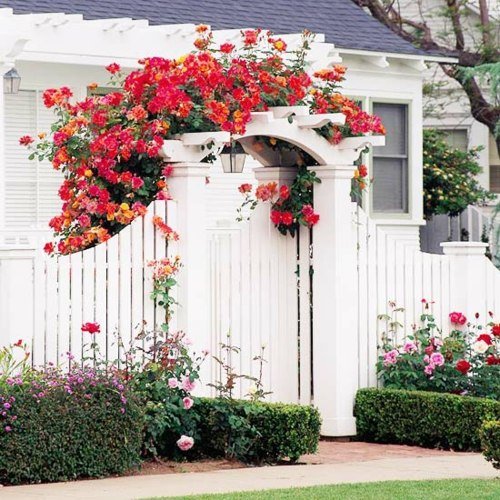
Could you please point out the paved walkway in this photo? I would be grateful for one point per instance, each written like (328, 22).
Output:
(366, 463)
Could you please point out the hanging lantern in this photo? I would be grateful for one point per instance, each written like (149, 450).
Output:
(11, 82)
(233, 158)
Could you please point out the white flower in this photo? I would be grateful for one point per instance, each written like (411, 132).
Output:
(480, 347)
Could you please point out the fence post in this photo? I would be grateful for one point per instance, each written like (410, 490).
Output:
(468, 291)
(188, 188)
(16, 295)
(335, 329)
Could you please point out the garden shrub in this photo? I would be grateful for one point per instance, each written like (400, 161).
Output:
(422, 418)
(254, 432)
(59, 427)
(466, 362)
(490, 440)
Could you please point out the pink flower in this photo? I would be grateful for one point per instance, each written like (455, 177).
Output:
(188, 403)
(391, 357)
(458, 318)
(437, 359)
(173, 383)
(429, 369)
(185, 443)
(187, 384)
(409, 347)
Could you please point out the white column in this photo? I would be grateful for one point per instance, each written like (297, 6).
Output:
(188, 189)
(335, 329)
(468, 276)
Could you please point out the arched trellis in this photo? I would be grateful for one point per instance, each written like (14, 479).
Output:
(298, 130)
(334, 316)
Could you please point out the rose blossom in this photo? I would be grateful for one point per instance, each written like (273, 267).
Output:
(187, 384)
(458, 318)
(188, 403)
(463, 366)
(429, 369)
(391, 357)
(485, 337)
(409, 347)
(480, 347)
(173, 383)
(437, 359)
(185, 443)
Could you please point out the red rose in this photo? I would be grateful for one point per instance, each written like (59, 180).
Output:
(463, 366)
(284, 192)
(91, 328)
(48, 248)
(26, 140)
(485, 338)
(495, 330)
(226, 48)
(287, 218)
(113, 68)
(458, 318)
(245, 188)
(275, 217)
(492, 360)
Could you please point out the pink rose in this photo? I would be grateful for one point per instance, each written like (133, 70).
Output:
(188, 403)
(458, 318)
(429, 369)
(409, 347)
(185, 443)
(437, 359)
(173, 383)
(187, 384)
(391, 357)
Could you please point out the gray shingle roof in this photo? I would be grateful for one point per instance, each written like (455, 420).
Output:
(342, 22)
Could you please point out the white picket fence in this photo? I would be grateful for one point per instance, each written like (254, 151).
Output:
(259, 293)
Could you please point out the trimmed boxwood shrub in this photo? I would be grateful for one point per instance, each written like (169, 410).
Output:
(490, 439)
(254, 432)
(422, 418)
(65, 432)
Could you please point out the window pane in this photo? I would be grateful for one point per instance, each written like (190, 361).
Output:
(390, 185)
(390, 162)
(456, 138)
(393, 117)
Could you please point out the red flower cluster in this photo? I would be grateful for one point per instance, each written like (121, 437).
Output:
(463, 366)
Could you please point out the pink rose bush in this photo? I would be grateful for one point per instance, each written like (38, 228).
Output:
(467, 361)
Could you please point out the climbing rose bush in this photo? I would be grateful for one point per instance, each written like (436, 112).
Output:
(109, 147)
(467, 361)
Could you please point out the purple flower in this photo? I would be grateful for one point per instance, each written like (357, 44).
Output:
(7, 428)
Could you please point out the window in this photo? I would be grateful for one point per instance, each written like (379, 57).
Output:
(31, 187)
(456, 138)
(390, 162)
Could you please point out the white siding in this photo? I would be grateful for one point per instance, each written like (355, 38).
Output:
(31, 197)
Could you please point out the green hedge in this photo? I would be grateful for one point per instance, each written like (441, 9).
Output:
(422, 418)
(490, 439)
(62, 436)
(255, 432)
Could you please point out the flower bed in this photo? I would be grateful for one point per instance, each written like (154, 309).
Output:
(466, 362)
(62, 426)
(255, 432)
(422, 418)
(490, 439)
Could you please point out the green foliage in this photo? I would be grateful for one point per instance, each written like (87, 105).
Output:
(490, 439)
(422, 418)
(450, 182)
(55, 435)
(255, 432)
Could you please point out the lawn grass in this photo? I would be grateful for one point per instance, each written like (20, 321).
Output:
(448, 489)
